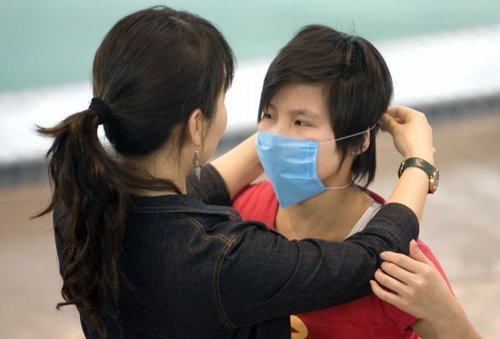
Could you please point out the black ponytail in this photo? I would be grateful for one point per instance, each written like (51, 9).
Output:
(85, 179)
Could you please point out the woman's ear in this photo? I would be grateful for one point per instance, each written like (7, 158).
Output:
(195, 127)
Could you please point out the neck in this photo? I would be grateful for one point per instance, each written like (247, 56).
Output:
(330, 215)
(161, 167)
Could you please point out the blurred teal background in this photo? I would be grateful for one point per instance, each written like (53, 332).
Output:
(52, 42)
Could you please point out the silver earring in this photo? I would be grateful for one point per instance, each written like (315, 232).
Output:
(196, 164)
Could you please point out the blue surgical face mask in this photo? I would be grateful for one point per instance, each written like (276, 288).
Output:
(291, 166)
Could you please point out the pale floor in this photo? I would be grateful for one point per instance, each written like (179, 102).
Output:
(461, 224)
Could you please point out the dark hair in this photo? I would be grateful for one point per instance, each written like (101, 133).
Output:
(356, 79)
(152, 69)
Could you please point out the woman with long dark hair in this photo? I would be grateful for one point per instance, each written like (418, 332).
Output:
(146, 251)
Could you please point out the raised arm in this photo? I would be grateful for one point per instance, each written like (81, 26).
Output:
(413, 138)
(225, 176)
(239, 166)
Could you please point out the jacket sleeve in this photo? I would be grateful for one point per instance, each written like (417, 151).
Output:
(265, 276)
(211, 188)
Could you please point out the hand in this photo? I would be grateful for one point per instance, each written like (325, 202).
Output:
(418, 287)
(411, 132)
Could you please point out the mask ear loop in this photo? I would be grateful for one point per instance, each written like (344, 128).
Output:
(355, 134)
(342, 138)
(350, 135)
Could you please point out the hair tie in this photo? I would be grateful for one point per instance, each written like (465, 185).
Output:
(102, 110)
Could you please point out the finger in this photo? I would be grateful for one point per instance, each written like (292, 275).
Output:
(381, 125)
(384, 295)
(390, 283)
(397, 272)
(387, 123)
(417, 254)
(399, 112)
(408, 263)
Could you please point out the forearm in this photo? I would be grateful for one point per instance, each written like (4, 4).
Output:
(413, 185)
(239, 166)
(395, 219)
(460, 329)
(454, 326)
(300, 276)
(412, 138)
(411, 190)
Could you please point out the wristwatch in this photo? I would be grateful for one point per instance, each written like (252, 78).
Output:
(431, 171)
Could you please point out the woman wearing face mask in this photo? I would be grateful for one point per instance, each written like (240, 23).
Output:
(145, 254)
(321, 100)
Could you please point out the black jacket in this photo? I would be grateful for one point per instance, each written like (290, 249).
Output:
(198, 271)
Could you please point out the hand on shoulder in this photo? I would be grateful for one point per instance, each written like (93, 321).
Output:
(419, 289)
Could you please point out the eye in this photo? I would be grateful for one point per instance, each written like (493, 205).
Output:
(265, 115)
(302, 123)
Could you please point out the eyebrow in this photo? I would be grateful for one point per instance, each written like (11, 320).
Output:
(300, 111)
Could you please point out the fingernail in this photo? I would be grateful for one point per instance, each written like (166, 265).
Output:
(413, 244)
(383, 255)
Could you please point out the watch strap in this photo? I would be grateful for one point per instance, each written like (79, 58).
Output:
(416, 162)
(431, 171)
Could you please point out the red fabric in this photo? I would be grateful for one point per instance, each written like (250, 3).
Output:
(368, 317)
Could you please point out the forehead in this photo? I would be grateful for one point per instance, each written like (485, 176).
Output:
(306, 99)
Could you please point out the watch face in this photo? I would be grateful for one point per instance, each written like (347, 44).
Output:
(401, 168)
(434, 181)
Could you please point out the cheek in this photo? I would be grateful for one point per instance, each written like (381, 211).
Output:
(265, 125)
(223, 122)
(328, 161)
(214, 134)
